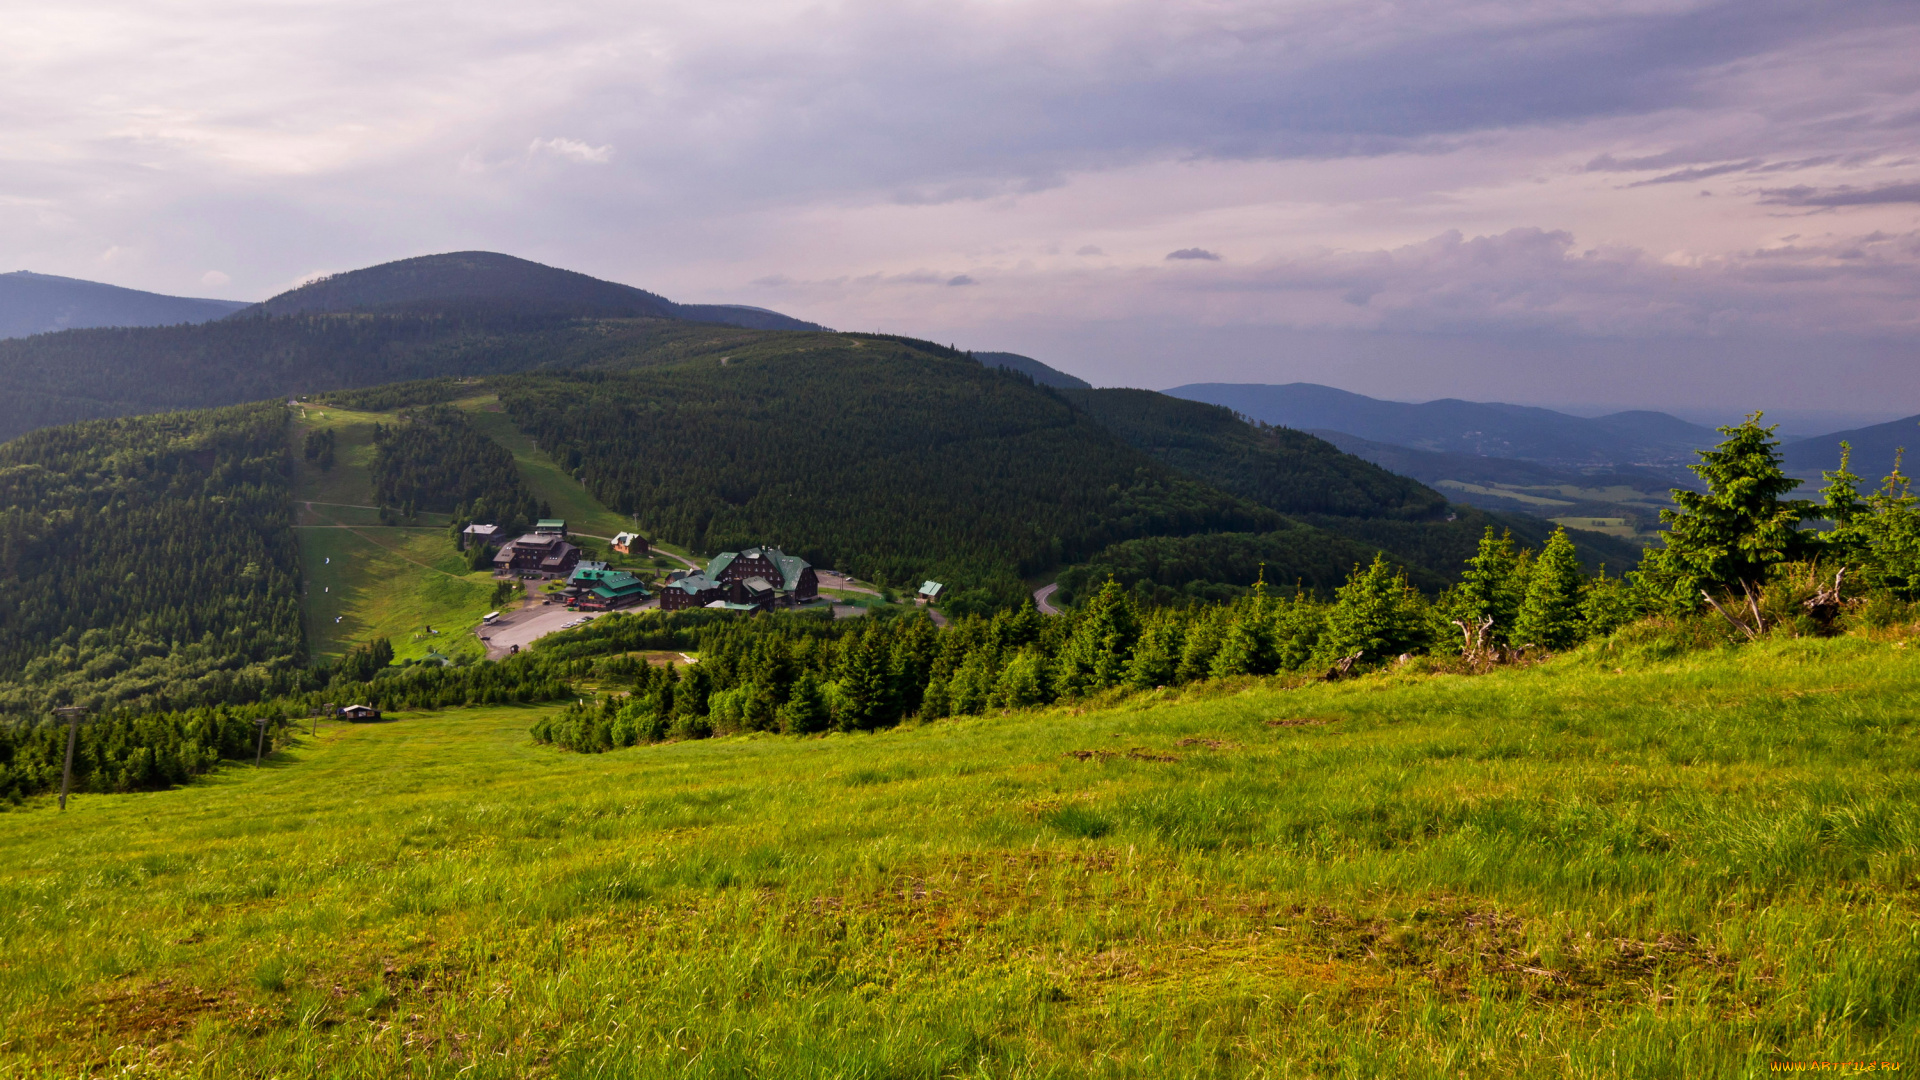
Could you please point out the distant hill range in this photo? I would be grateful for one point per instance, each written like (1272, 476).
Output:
(1034, 369)
(33, 303)
(1451, 426)
(465, 313)
(1874, 450)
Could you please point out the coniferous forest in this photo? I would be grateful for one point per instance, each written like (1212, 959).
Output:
(435, 459)
(148, 561)
(890, 460)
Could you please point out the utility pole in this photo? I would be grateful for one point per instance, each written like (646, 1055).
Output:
(261, 750)
(73, 713)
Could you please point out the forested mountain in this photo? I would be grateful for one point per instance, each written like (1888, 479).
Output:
(1033, 369)
(82, 374)
(1284, 470)
(147, 561)
(892, 459)
(1466, 427)
(42, 303)
(472, 313)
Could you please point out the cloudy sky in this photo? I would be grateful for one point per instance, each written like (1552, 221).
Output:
(1687, 205)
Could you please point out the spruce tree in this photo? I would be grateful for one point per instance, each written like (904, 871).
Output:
(1493, 585)
(806, 709)
(1247, 648)
(1728, 539)
(1156, 658)
(1376, 614)
(1104, 632)
(1550, 617)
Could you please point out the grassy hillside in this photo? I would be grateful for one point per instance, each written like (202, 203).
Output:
(364, 579)
(1606, 865)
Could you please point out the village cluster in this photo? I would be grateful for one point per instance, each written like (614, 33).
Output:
(754, 579)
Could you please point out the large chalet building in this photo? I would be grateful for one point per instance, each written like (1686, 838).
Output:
(544, 553)
(756, 579)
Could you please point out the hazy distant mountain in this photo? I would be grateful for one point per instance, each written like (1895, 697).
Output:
(1467, 427)
(1034, 369)
(752, 318)
(1873, 450)
(33, 303)
(481, 280)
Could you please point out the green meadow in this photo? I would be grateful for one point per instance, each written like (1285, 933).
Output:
(1613, 864)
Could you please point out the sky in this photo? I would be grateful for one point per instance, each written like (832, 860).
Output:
(1704, 207)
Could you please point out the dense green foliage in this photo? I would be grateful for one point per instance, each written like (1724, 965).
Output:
(1279, 468)
(434, 459)
(1877, 536)
(148, 562)
(873, 456)
(132, 752)
(1222, 566)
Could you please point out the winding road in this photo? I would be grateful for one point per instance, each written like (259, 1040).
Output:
(1042, 595)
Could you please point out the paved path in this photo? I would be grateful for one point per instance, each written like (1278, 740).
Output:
(1042, 595)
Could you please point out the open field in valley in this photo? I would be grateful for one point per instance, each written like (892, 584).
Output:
(1611, 864)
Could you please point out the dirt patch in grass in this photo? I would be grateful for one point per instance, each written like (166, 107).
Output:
(1303, 721)
(163, 1008)
(1138, 753)
(1211, 744)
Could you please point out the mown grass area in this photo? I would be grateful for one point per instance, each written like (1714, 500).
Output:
(394, 583)
(364, 580)
(568, 497)
(1598, 867)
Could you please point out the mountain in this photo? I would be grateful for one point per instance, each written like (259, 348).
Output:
(1284, 470)
(42, 303)
(1033, 369)
(471, 280)
(1874, 449)
(469, 313)
(1467, 427)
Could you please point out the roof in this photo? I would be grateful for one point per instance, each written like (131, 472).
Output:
(588, 570)
(625, 537)
(694, 583)
(790, 566)
(930, 588)
(757, 584)
(618, 583)
(550, 523)
(478, 529)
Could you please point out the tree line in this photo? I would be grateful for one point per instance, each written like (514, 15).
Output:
(1740, 538)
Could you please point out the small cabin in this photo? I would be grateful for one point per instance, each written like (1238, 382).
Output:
(359, 713)
(550, 527)
(929, 592)
(628, 543)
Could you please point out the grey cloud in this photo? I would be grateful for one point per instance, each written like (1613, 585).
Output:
(1194, 253)
(961, 279)
(1845, 195)
(1686, 176)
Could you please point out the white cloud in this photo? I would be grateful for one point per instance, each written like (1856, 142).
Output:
(214, 278)
(572, 150)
